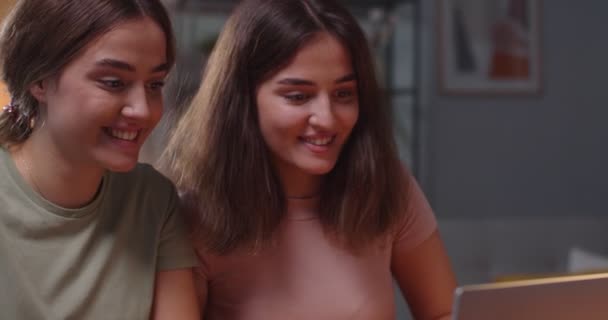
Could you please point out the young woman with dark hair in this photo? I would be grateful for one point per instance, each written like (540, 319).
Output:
(299, 205)
(85, 231)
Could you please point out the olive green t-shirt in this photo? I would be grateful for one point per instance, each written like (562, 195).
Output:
(96, 262)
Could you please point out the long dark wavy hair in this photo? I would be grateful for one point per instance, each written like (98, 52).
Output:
(218, 158)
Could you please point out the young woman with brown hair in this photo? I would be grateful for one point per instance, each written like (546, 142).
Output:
(299, 205)
(85, 231)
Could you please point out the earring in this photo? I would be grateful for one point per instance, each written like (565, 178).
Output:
(8, 109)
(11, 110)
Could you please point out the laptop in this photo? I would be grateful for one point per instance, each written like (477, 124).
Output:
(581, 297)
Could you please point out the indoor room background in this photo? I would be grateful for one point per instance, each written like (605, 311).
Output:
(517, 175)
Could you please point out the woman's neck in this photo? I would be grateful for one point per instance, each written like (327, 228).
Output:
(300, 185)
(65, 184)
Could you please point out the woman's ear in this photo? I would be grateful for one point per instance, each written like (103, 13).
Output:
(39, 90)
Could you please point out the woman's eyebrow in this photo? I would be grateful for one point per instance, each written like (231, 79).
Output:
(117, 64)
(296, 82)
(347, 78)
(303, 82)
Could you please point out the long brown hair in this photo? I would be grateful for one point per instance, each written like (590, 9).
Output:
(219, 160)
(40, 37)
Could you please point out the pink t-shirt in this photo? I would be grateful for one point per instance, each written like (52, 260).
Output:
(306, 276)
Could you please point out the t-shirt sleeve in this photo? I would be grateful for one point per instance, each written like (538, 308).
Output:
(175, 248)
(418, 221)
(201, 278)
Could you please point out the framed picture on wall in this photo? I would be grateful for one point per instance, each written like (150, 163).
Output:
(489, 46)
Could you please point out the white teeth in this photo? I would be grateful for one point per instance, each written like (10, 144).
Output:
(124, 135)
(320, 141)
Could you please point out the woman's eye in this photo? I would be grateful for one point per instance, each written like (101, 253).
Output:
(156, 85)
(345, 95)
(112, 84)
(297, 97)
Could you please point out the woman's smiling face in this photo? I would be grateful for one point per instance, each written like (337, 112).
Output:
(100, 109)
(308, 109)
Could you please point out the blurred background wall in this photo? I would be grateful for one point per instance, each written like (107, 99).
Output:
(5, 6)
(518, 182)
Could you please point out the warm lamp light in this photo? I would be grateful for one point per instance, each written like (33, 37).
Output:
(4, 96)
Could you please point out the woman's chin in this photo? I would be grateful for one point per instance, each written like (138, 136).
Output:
(120, 165)
(319, 170)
